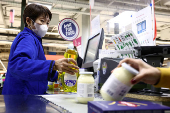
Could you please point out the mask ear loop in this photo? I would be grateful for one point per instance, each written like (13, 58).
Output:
(33, 23)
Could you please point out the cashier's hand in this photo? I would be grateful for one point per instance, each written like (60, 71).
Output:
(64, 65)
(147, 73)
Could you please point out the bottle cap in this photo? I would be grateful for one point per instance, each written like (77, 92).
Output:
(71, 46)
(130, 69)
(82, 70)
(86, 73)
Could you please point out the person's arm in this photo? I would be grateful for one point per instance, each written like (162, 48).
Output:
(165, 78)
(159, 77)
(23, 64)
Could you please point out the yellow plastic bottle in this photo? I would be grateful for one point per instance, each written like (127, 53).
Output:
(50, 85)
(60, 81)
(69, 82)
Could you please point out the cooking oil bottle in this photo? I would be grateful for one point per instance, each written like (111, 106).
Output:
(69, 82)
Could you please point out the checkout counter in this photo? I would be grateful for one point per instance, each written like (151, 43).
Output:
(54, 103)
(60, 102)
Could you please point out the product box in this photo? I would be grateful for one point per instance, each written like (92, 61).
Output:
(125, 107)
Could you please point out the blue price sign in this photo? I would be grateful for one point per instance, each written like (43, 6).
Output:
(68, 29)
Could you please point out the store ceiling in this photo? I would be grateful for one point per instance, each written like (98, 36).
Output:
(74, 8)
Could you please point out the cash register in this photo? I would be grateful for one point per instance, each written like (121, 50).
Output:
(153, 55)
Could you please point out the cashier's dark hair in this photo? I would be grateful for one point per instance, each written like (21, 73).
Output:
(33, 11)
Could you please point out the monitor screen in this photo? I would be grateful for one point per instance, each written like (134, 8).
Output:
(92, 49)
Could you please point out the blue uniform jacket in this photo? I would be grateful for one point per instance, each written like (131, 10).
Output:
(28, 70)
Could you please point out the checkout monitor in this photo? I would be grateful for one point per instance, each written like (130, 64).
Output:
(92, 50)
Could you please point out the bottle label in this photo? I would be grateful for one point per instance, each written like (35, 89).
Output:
(115, 88)
(70, 80)
(85, 90)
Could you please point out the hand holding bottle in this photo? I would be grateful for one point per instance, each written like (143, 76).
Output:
(147, 73)
(64, 65)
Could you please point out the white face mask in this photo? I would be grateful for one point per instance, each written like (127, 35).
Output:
(40, 30)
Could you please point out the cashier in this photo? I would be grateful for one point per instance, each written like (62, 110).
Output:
(159, 77)
(28, 70)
